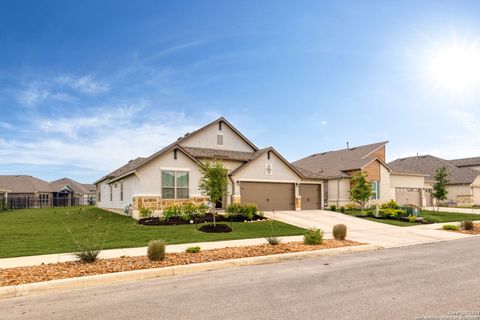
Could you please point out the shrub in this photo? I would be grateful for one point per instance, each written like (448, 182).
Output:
(88, 255)
(412, 218)
(193, 249)
(333, 207)
(146, 212)
(313, 237)
(391, 213)
(156, 250)
(390, 205)
(234, 209)
(342, 209)
(467, 225)
(273, 240)
(339, 231)
(450, 227)
(186, 211)
(247, 211)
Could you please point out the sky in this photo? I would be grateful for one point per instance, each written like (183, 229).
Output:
(86, 86)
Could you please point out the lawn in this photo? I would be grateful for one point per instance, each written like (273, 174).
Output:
(53, 230)
(434, 216)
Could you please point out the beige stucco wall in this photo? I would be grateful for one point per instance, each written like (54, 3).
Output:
(256, 171)
(385, 191)
(458, 190)
(207, 138)
(406, 181)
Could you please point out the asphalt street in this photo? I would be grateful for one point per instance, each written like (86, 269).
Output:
(400, 283)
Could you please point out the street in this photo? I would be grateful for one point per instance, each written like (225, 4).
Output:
(399, 283)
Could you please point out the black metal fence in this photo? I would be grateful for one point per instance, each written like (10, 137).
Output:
(26, 202)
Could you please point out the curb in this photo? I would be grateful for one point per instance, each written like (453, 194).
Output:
(128, 276)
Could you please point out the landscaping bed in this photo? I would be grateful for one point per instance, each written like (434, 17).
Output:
(46, 272)
(156, 221)
(476, 230)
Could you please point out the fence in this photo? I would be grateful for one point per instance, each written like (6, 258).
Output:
(26, 202)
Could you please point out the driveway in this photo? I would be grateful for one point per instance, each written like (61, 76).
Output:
(363, 230)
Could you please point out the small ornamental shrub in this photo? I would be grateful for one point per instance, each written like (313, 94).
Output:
(187, 211)
(246, 211)
(450, 227)
(156, 250)
(390, 205)
(233, 209)
(313, 237)
(467, 225)
(87, 255)
(146, 213)
(432, 219)
(273, 240)
(333, 207)
(193, 249)
(339, 231)
(412, 218)
(342, 209)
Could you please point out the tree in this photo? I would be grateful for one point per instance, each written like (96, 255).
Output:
(360, 189)
(214, 182)
(440, 187)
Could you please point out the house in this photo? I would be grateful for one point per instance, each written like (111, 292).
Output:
(70, 191)
(463, 179)
(25, 191)
(337, 167)
(171, 175)
(472, 163)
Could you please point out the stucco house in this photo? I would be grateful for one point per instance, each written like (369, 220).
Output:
(171, 175)
(337, 167)
(463, 179)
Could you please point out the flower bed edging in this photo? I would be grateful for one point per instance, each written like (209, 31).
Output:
(128, 276)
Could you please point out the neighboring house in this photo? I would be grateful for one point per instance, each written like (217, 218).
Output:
(70, 191)
(26, 191)
(463, 180)
(172, 175)
(472, 163)
(337, 168)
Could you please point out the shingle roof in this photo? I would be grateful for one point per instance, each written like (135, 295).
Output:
(333, 164)
(466, 162)
(24, 184)
(77, 187)
(204, 153)
(428, 165)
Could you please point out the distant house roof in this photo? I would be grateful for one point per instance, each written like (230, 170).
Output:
(466, 162)
(24, 184)
(335, 164)
(76, 187)
(428, 165)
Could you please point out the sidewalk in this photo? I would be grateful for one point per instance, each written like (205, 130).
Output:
(133, 252)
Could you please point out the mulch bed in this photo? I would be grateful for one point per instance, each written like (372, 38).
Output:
(155, 221)
(46, 272)
(218, 228)
(476, 229)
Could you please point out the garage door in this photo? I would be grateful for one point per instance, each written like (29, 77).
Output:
(268, 196)
(311, 196)
(408, 196)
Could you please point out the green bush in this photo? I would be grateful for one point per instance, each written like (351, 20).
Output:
(273, 240)
(313, 237)
(193, 249)
(333, 207)
(450, 227)
(432, 219)
(234, 209)
(186, 211)
(390, 205)
(339, 231)
(391, 213)
(342, 209)
(467, 225)
(146, 213)
(156, 250)
(247, 211)
(412, 218)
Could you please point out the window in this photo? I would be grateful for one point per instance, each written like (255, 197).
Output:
(375, 190)
(175, 185)
(268, 169)
(219, 139)
(121, 190)
(111, 193)
(99, 195)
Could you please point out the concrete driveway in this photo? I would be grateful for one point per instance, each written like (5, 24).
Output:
(367, 231)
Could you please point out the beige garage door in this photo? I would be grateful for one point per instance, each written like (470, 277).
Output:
(268, 196)
(408, 196)
(311, 196)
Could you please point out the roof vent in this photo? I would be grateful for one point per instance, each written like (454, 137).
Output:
(186, 134)
(180, 138)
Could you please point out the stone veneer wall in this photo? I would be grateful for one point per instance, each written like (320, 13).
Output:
(156, 203)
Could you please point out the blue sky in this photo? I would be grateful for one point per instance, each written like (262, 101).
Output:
(87, 85)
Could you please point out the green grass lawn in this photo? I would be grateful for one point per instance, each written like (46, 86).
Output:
(42, 231)
(437, 217)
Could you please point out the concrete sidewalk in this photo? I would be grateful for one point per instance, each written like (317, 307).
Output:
(133, 252)
(362, 230)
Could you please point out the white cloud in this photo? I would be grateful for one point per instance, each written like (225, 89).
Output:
(84, 84)
(32, 96)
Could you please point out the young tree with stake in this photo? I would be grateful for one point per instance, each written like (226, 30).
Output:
(214, 182)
